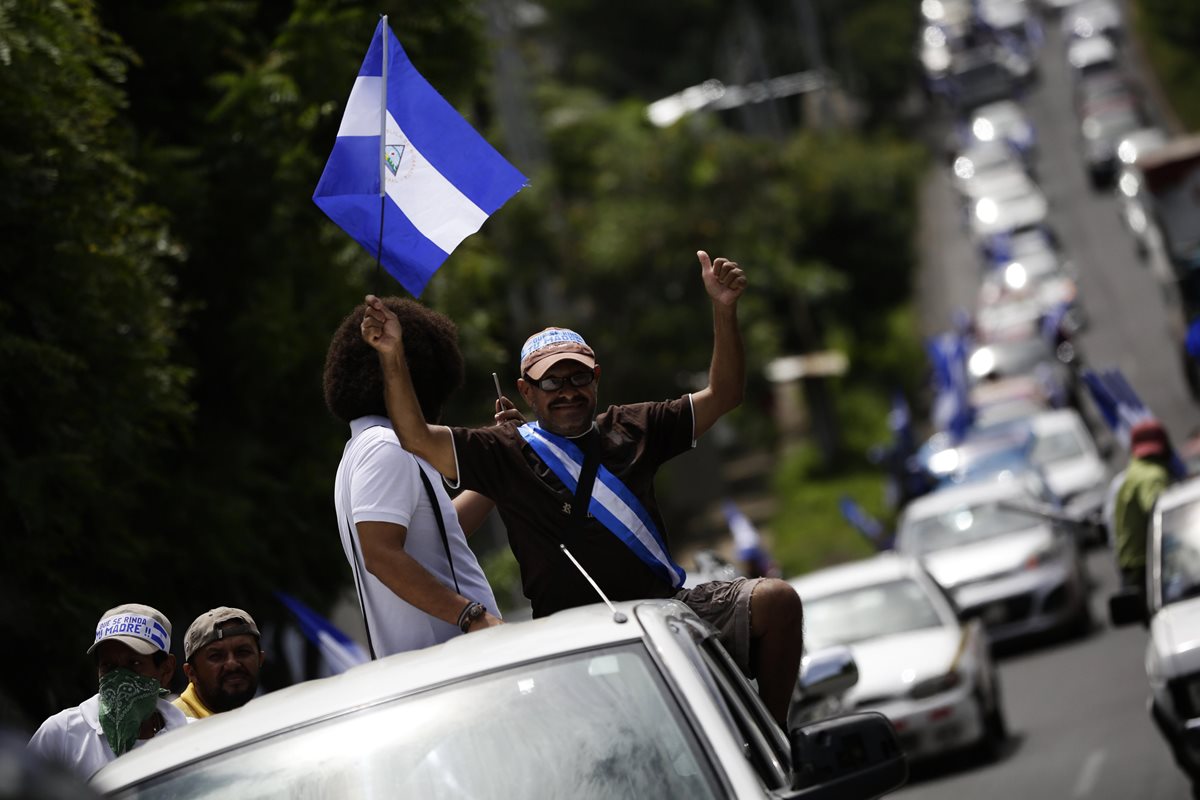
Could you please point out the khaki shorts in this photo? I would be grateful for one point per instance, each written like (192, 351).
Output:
(726, 606)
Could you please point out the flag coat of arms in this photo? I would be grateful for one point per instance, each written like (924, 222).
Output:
(408, 177)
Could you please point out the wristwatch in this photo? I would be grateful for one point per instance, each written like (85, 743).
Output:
(469, 614)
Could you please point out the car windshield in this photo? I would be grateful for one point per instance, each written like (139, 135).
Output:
(590, 725)
(1181, 553)
(866, 613)
(961, 525)
(1057, 446)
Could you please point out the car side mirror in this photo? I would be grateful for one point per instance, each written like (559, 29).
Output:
(1126, 607)
(828, 672)
(853, 756)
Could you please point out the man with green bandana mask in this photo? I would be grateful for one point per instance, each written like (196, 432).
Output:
(134, 664)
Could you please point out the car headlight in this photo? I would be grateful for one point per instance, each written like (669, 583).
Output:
(936, 685)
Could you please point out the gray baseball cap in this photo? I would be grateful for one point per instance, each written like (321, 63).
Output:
(207, 628)
(142, 628)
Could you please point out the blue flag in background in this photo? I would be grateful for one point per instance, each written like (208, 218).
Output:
(338, 650)
(441, 180)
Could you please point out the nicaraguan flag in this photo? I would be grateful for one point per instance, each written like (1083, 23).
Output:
(440, 179)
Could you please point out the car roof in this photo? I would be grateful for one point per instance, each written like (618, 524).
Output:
(1059, 419)
(951, 497)
(883, 568)
(1180, 494)
(390, 678)
(1092, 50)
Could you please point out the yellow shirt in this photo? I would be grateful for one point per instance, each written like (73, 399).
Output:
(191, 705)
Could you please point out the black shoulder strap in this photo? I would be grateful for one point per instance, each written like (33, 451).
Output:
(587, 479)
(441, 523)
(358, 583)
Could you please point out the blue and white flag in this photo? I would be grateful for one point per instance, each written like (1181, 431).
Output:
(409, 179)
(952, 410)
(338, 650)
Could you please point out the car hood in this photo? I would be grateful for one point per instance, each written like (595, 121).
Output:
(1175, 636)
(997, 555)
(889, 666)
(1071, 475)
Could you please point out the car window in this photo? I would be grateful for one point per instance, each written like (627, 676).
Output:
(599, 724)
(1180, 553)
(868, 612)
(959, 526)
(1056, 446)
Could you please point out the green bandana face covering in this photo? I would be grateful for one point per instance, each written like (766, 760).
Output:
(126, 700)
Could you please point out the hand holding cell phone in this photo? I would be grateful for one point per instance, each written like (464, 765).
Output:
(506, 412)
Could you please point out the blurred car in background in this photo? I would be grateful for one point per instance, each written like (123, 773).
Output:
(983, 75)
(1055, 444)
(926, 671)
(636, 701)
(1005, 203)
(1040, 279)
(1099, 88)
(1132, 207)
(1007, 122)
(1088, 18)
(1172, 600)
(1091, 55)
(1102, 130)
(1002, 559)
(1024, 353)
(980, 162)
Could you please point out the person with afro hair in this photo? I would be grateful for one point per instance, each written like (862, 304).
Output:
(418, 581)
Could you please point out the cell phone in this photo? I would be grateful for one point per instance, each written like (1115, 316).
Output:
(496, 380)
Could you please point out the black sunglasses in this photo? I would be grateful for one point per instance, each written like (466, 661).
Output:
(552, 384)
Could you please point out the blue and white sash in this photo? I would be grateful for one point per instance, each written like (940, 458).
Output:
(612, 504)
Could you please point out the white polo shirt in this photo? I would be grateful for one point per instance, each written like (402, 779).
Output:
(73, 737)
(378, 481)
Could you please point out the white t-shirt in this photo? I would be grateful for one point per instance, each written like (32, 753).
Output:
(73, 737)
(378, 481)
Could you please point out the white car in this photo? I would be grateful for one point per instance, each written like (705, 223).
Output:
(1005, 203)
(926, 671)
(1094, 54)
(1005, 121)
(1069, 459)
(1004, 562)
(640, 701)
(1026, 290)
(981, 160)
(1130, 201)
(1090, 18)
(1173, 603)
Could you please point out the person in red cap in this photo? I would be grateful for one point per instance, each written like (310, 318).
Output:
(1145, 478)
(575, 489)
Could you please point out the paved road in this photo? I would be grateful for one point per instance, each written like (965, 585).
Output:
(1078, 709)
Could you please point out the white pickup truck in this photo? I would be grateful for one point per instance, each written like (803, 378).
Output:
(639, 701)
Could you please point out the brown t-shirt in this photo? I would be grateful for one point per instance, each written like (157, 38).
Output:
(534, 504)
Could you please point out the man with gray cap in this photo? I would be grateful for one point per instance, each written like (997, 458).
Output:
(134, 664)
(222, 659)
(585, 481)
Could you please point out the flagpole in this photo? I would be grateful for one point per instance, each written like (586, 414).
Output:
(383, 32)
